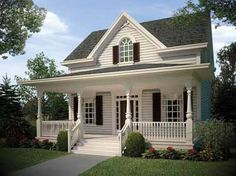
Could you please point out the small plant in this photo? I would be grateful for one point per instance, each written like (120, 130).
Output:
(135, 145)
(62, 141)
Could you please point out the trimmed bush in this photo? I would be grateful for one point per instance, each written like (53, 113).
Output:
(62, 141)
(135, 145)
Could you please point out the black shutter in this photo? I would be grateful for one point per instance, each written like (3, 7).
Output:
(156, 107)
(185, 105)
(99, 110)
(136, 52)
(115, 51)
(75, 107)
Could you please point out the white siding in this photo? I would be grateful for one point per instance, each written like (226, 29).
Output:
(147, 104)
(106, 128)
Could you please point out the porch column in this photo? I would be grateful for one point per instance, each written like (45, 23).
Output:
(39, 115)
(79, 115)
(189, 121)
(128, 110)
(70, 107)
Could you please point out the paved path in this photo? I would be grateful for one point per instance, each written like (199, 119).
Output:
(69, 165)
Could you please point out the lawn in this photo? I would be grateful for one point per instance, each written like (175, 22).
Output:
(12, 159)
(138, 166)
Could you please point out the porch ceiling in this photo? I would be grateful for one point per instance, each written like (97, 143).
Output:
(175, 75)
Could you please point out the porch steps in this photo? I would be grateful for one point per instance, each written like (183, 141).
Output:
(106, 145)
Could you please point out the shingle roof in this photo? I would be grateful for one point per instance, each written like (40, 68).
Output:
(123, 68)
(167, 34)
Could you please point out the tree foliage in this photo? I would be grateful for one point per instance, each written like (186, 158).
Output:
(224, 95)
(220, 10)
(10, 106)
(18, 20)
(54, 105)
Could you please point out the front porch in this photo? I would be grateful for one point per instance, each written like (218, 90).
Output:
(161, 105)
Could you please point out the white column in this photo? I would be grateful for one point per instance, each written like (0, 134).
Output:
(70, 107)
(80, 115)
(189, 113)
(39, 115)
(189, 121)
(128, 109)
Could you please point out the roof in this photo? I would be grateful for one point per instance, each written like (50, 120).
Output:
(169, 35)
(123, 68)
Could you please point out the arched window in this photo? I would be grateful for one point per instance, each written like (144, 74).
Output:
(126, 50)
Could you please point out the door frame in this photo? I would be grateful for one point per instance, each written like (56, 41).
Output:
(136, 107)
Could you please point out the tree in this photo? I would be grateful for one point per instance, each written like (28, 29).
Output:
(54, 105)
(10, 106)
(224, 95)
(18, 20)
(220, 10)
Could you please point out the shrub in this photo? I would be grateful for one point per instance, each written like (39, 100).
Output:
(35, 143)
(135, 145)
(3, 143)
(62, 141)
(16, 131)
(215, 135)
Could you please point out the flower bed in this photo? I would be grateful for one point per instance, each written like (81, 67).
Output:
(204, 154)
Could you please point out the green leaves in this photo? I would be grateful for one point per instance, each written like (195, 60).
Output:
(18, 20)
(220, 10)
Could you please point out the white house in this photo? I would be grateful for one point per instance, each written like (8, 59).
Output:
(149, 77)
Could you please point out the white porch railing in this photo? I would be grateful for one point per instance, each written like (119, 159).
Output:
(52, 128)
(122, 135)
(162, 131)
(73, 135)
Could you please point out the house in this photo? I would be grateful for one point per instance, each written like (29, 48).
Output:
(149, 77)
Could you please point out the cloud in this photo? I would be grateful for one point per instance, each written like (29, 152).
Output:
(55, 39)
(222, 36)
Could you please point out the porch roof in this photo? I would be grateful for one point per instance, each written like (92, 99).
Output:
(202, 71)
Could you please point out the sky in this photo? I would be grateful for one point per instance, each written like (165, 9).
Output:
(68, 22)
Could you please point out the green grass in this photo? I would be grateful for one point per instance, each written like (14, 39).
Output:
(12, 159)
(138, 166)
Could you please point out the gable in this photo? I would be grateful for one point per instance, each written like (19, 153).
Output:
(147, 49)
(169, 36)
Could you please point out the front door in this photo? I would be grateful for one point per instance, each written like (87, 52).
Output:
(123, 111)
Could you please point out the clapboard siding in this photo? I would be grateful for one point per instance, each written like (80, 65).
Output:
(147, 104)
(105, 58)
(106, 128)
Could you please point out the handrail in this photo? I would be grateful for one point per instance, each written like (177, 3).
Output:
(123, 134)
(73, 135)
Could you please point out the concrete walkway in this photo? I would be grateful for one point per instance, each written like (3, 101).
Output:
(70, 165)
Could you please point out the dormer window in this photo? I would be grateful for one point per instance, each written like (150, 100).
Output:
(126, 50)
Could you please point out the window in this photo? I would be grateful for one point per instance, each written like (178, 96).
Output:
(126, 50)
(172, 107)
(89, 111)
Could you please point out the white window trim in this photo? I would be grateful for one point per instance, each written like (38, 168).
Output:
(164, 116)
(129, 56)
(89, 100)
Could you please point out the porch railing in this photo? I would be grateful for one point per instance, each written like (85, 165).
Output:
(122, 135)
(52, 128)
(162, 131)
(73, 135)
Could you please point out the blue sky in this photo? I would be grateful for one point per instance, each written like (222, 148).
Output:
(68, 22)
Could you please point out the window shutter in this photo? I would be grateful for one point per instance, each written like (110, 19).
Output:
(185, 105)
(136, 52)
(75, 107)
(115, 51)
(99, 110)
(156, 107)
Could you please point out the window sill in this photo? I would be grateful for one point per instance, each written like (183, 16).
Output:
(125, 63)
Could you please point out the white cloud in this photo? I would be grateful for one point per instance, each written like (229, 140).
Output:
(53, 24)
(55, 39)
(222, 36)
